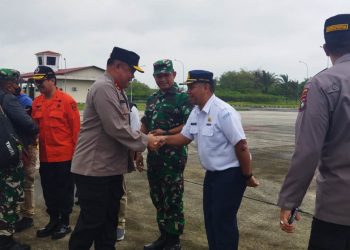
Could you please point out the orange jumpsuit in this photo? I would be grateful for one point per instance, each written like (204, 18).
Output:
(58, 119)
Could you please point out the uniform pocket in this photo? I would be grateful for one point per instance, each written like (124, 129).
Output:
(193, 130)
(56, 119)
(208, 131)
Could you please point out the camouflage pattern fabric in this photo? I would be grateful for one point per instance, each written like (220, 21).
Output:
(167, 111)
(166, 191)
(9, 74)
(163, 66)
(11, 193)
(165, 166)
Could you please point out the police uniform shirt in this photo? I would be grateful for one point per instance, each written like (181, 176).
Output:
(322, 140)
(216, 129)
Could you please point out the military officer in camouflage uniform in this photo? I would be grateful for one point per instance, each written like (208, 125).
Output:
(166, 112)
(12, 177)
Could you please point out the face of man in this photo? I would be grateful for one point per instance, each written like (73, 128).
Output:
(45, 86)
(165, 80)
(123, 74)
(199, 93)
(9, 86)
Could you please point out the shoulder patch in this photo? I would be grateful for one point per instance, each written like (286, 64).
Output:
(74, 106)
(228, 114)
(303, 99)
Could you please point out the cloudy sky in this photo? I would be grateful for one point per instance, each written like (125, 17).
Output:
(216, 35)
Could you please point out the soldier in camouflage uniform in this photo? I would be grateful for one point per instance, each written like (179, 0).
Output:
(11, 177)
(166, 112)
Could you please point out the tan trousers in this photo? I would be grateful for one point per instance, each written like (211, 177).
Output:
(122, 210)
(28, 206)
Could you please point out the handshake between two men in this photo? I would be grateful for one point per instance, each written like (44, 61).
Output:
(156, 139)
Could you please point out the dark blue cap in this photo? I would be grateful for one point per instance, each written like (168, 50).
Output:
(202, 76)
(129, 57)
(43, 72)
(337, 28)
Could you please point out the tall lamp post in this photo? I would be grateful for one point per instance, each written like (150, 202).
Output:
(65, 78)
(307, 69)
(183, 69)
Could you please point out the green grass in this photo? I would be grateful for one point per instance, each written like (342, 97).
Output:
(81, 106)
(140, 106)
(291, 105)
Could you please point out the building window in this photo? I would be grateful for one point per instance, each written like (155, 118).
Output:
(40, 60)
(74, 89)
(51, 60)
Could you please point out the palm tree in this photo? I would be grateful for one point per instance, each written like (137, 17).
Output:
(266, 79)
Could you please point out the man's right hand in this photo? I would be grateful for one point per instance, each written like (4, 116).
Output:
(153, 142)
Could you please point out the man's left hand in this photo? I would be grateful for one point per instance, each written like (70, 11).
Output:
(253, 182)
(284, 216)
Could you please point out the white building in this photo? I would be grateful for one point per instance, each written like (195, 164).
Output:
(75, 81)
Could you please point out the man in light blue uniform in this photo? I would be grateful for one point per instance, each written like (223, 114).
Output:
(216, 128)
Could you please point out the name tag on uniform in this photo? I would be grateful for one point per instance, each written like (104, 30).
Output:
(208, 124)
(193, 123)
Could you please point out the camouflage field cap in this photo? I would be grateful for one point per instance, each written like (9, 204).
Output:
(163, 66)
(9, 74)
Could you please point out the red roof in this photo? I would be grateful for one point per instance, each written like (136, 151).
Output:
(60, 71)
(48, 52)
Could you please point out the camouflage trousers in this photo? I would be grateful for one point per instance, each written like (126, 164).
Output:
(166, 190)
(11, 193)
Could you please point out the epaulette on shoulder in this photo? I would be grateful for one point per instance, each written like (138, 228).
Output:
(321, 71)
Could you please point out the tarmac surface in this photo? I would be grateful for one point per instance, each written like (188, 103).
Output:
(271, 140)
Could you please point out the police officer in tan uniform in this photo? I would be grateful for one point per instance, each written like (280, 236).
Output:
(323, 140)
(102, 153)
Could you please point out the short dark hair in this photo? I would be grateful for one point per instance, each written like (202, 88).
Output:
(212, 86)
(339, 47)
(110, 61)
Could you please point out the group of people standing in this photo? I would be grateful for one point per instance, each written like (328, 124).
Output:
(53, 120)
(97, 153)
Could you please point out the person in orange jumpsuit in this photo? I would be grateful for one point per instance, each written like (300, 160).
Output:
(59, 123)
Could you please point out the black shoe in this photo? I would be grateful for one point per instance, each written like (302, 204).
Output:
(61, 231)
(48, 229)
(176, 246)
(24, 224)
(172, 242)
(8, 243)
(156, 245)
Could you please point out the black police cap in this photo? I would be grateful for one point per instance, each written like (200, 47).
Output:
(129, 57)
(43, 72)
(203, 76)
(337, 28)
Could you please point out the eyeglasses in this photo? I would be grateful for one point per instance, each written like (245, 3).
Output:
(39, 82)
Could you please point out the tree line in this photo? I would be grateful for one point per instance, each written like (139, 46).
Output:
(257, 86)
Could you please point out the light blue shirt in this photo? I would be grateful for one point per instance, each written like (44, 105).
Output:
(216, 129)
